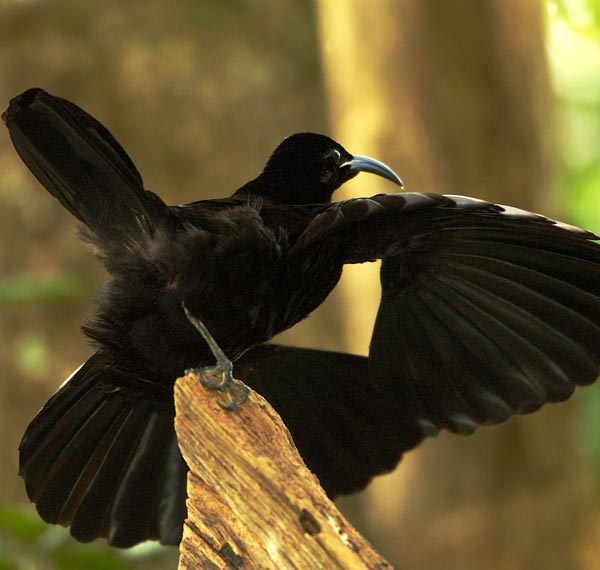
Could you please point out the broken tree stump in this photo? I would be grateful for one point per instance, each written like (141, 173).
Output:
(252, 503)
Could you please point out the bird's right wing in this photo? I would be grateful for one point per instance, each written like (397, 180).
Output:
(486, 310)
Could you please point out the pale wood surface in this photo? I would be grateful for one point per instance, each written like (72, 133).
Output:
(252, 503)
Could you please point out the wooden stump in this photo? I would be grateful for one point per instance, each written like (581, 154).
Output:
(252, 503)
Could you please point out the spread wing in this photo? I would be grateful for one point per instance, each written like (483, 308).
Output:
(80, 163)
(486, 311)
(102, 457)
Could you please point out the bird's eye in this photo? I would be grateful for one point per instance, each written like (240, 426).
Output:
(337, 156)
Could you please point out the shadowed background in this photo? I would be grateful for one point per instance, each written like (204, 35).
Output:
(495, 99)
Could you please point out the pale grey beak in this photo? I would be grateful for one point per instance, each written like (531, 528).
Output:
(367, 164)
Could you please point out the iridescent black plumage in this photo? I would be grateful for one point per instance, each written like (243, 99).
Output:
(486, 311)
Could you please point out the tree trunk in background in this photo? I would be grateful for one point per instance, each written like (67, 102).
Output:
(456, 97)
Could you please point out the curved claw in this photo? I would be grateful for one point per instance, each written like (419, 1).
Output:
(236, 401)
(220, 378)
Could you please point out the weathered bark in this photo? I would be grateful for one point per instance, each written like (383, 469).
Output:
(252, 503)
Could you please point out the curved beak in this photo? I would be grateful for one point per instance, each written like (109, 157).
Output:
(366, 164)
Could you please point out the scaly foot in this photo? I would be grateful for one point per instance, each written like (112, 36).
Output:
(220, 376)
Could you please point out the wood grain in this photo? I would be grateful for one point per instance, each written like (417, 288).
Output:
(252, 503)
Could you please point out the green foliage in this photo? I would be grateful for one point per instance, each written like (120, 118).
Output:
(583, 15)
(19, 526)
(90, 558)
(6, 564)
(574, 51)
(28, 289)
(27, 543)
(575, 57)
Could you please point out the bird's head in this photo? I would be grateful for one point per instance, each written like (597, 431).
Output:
(307, 168)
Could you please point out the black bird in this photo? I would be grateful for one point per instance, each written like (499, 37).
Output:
(486, 311)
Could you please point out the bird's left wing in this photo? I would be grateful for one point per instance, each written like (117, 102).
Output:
(486, 310)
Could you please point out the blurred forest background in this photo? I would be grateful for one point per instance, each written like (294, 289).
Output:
(498, 99)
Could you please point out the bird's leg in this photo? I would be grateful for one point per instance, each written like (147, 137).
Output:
(222, 370)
